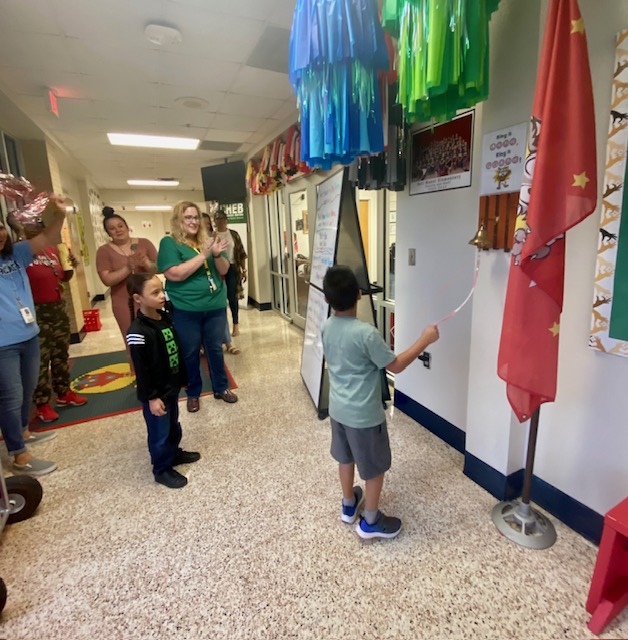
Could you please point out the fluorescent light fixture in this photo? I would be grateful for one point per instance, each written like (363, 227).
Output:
(153, 183)
(153, 207)
(156, 142)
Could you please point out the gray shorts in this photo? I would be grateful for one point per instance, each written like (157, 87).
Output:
(368, 448)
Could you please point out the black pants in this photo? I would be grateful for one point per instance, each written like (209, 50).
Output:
(231, 280)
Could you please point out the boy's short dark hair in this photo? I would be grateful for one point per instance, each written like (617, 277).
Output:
(341, 288)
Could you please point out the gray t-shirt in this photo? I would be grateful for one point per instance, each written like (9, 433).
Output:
(355, 353)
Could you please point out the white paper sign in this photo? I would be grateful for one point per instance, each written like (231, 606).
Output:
(503, 154)
(326, 229)
(312, 358)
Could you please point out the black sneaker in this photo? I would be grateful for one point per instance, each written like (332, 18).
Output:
(383, 527)
(186, 457)
(171, 479)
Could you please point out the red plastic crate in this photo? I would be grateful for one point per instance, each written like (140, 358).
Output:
(92, 319)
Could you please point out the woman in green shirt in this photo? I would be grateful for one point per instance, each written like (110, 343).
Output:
(193, 264)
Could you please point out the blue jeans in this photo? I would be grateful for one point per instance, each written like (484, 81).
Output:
(164, 435)
(206, 329)
(19, 370)
(231, 280)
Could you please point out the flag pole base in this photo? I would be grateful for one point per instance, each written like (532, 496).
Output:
(522, 524)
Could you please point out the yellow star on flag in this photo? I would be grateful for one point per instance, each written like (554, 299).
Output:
(554, 329)
(580, 180)
(577, 26)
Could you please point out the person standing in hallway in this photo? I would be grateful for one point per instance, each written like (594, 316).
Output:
(160, 372)
(46, 276)
(19, 342)
(355, 353)
(229, 346)
(193, 264)
(236, 276)
(118, 259)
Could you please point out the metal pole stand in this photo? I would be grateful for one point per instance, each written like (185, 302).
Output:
(516, 519)
(524, 525)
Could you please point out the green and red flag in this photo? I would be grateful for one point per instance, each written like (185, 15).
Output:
(559, 189)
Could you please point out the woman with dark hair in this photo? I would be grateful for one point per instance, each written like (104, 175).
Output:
(193, 263)
(118, 259)
(19, 343)
(236, 275)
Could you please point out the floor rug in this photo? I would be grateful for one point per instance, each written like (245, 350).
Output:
(106, 380)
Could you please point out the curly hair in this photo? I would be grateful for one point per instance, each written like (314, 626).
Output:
(176, 224)
(7, 250)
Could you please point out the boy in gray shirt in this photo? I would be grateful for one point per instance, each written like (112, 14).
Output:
(355, 353)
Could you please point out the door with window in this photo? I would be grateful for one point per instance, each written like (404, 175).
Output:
(300, 263)
(279, 253)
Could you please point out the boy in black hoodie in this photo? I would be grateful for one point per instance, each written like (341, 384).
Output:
(160, 374)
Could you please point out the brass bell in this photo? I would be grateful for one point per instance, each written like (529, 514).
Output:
(480, 239)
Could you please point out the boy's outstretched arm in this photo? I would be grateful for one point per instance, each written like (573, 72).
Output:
(430, 334)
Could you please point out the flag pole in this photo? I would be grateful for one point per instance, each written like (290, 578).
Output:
(516, 519)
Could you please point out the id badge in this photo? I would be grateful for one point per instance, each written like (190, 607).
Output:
(27, 315)
(212, 284)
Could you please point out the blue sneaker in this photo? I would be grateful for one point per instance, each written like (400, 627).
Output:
(349, 514)
(383, 527)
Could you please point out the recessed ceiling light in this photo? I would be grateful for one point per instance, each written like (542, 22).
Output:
(153, 183)
(153, 207)
(156, 142)
(192, 102)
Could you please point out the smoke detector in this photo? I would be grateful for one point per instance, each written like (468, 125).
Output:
(161, 35)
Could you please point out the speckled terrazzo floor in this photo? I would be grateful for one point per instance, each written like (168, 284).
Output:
(253, 547)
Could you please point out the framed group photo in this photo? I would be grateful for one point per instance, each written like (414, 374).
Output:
(442, 156)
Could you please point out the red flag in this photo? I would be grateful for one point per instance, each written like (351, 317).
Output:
(558, 190)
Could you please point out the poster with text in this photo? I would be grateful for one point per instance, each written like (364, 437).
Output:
(441, 156)
(503, 153)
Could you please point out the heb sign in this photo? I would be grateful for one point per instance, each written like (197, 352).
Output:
(236, 212)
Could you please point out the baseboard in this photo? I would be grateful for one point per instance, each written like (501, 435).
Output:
(446, 431)
(75, 338)
(497, 484)
(574, 514)
(577, 516)
(260, 306)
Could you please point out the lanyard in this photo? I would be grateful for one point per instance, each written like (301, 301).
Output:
(210, 279)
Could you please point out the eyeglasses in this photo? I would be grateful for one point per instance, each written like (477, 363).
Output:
(191, 218)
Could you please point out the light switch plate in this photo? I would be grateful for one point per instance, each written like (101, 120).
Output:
(412, 257)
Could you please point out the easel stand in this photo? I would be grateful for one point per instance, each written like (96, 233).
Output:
(516, 519)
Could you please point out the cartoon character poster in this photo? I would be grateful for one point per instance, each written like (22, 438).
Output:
(503, 155)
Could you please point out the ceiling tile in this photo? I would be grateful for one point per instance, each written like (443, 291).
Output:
(236, 123)
(241, 105)
(259, 82)
(216, 76)
(210, 34)
(35, 16)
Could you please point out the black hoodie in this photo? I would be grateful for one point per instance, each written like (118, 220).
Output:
(156, 352)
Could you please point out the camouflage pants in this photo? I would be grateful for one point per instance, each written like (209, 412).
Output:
(54, 342)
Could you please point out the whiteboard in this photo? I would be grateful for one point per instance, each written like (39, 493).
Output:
(326, 228)
(312, 358)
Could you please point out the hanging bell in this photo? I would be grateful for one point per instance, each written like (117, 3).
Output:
(480, 239)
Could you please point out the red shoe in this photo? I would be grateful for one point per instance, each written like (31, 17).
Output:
(71, 398)
(46, 413)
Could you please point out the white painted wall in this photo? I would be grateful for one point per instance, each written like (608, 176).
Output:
(583, 439)
(438, 226)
